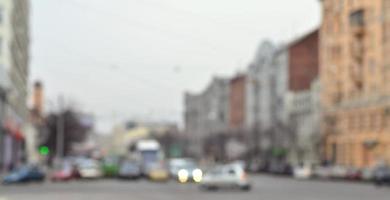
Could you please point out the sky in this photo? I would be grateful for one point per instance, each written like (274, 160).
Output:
(134, 59)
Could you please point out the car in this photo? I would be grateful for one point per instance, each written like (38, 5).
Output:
(129, 169)
(354, 174)
(25, 174)
(322, 172)
(190, 173)
(339, 172)
(303, 171)
(226, 176)
(110, 166)
(280, 168)
(382, 175)
(158, 172)
(185, 170)
(90, 169)
(66, 171)
(368, 174)
(176, 164)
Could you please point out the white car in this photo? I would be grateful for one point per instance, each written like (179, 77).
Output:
(322, 172)
(90, 169)
(226, 176)
(303, 172)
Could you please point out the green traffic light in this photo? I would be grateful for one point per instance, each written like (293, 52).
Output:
(44, 150)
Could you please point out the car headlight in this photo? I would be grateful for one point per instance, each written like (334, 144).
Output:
(197, 175)
(182, 175)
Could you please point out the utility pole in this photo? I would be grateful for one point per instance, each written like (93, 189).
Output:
(60, 129)
(256, 131)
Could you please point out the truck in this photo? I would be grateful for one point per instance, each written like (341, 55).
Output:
(148, 153)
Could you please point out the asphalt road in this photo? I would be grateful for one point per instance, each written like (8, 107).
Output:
(264, 187)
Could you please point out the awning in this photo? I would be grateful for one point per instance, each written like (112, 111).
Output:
(13, 130)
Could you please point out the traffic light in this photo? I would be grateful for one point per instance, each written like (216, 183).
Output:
(44, 150)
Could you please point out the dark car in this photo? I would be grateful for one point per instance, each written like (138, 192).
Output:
(280, 168)
(382, 175)
(354, 174)
(129, 169)
(25, 174)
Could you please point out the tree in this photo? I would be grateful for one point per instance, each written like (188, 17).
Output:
(75, 130)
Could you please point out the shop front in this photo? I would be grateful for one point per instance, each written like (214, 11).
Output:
(11, 147)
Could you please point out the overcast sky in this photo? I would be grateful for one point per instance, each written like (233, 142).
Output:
(133, 59)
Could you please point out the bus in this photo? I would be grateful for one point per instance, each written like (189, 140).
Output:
(148, 152)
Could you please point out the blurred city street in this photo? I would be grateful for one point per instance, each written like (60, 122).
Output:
(264, 187)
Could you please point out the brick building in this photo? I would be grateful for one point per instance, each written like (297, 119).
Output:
(303, 62)
(237, 107)
(303, 105)
(355, 69)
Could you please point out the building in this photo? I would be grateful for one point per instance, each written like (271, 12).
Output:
(257, 103)
(304, 118)
(303, 104)
(237, 98)
(14, 59)
(267, 86)
(206, 116)
(354, 73)
(34, 128)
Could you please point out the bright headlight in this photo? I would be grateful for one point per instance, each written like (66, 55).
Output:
(197, 175)
(182, 175)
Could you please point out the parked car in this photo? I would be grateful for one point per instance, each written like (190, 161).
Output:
(90, 169)
(322, 172)
(66, 171)
(281, 168)
(303, 171)
(158, 172)
(25, 174)
(226, 176)
(110, 166)
(129, 169)
(382, 175)
(368, 174)
(339, 172)
(354, 174)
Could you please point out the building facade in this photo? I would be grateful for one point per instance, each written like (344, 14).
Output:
(267, 86)
(355, 69)
(237, 100)
(303, 104)
(14, 59)
(257, 102)
(207, 115)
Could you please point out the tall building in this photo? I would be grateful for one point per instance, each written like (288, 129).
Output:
(303, 95)
(237, 96)
(206, 114)
(14, 59)
(267, 86)
(355, 74)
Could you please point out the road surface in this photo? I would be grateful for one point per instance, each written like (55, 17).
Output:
(264, 187)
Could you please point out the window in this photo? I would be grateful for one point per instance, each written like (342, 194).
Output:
(357, 18)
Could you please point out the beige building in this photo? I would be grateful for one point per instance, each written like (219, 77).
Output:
(14, 54)
(355, 74)
(14, 60)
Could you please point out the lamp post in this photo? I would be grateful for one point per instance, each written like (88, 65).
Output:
(60, 129)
